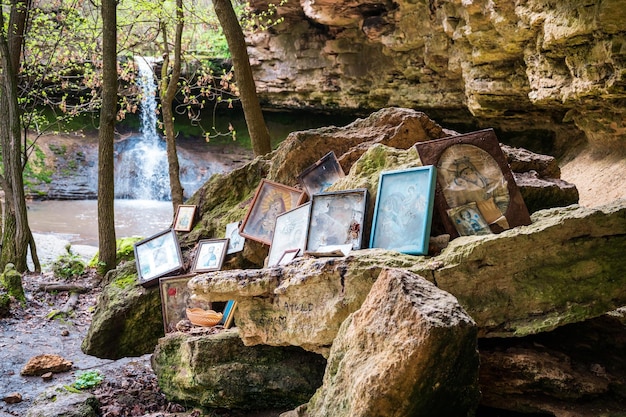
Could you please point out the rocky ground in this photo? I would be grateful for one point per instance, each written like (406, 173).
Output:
(129, 388)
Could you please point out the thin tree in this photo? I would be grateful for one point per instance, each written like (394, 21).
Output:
(259, 135)
(16, 234)
(106, 136)
(169, 86)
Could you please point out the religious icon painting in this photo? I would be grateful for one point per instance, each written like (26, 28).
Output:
(321, 175)
(472, 168)
(235, 240)
(289, 233)
(403, 210)
(270, 200)
(210, 255)
(157, 256)
(337, 218)
(185, 215)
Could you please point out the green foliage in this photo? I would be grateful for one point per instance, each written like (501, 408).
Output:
(35, 171)
(88, 379)
(68, 265)
(125, 251)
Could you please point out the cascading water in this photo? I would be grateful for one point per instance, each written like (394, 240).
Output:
(141, 160)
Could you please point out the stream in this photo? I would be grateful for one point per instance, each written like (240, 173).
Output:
(55, 223)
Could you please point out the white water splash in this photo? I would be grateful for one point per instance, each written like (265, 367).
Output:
(142, 170)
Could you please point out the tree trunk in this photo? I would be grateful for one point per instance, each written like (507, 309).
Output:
(11, 148)
(169, 85)
(259, 135)
(106, 136)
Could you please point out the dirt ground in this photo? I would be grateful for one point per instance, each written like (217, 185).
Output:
(599, 178)
(130, 386)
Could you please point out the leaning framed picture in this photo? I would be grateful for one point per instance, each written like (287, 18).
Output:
(235, 240)
(228, 314)
(157, 256)
(337, 218)
(270, 200)
(403, 210)
(175, 300)
(210, 255)
(321, 175)
(289, 233)
(185, 215)
(472, 168)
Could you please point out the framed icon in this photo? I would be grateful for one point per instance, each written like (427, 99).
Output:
(321, 175)
(403, 210)
(289, 233)
(210, 255)
(472, 168)
(270, 200)
(337, 218)
(157, 256)
(185, 215)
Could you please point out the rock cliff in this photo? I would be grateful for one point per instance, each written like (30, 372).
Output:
(553, 72)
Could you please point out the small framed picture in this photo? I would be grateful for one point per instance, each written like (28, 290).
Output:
(403, 210)
(472, 168)
(210, 255)
(175, 300)
(157, 256)
(228, 314)
(289, 233)
(185, 215)
(288, 256)
(468, 220)
(270, 200)
(235, 240)
(337, 219)
(321, 175)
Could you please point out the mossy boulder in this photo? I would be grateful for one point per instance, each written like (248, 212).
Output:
(11, 280)
(218, 371)
(127, 320)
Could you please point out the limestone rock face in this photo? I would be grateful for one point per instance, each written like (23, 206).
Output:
(577, 364)
(410, 350)
(218, 371)
(557, 67)
(564, 268)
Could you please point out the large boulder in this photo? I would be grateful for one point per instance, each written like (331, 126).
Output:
(566, 267)
(575, 370)
(410, 350)
(127, 320)
(218, 371)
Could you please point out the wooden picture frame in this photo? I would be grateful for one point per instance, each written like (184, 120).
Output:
(337, 218)
(321, 175)
(185, 216)
(290, 232)
(270, 200)
(472, 168)
(403, 210)
(210, 255)
(156, 256)
(175, 299)
(235, 240)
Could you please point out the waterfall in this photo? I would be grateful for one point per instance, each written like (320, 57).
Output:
(141, 160)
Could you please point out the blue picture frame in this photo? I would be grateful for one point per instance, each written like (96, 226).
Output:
(228, 314)
(403, 210)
